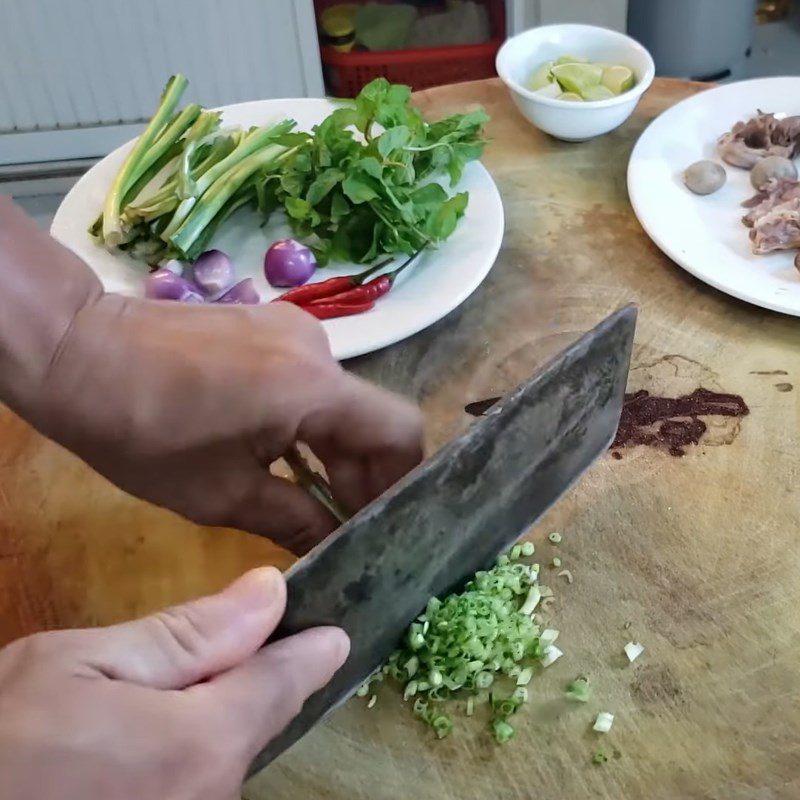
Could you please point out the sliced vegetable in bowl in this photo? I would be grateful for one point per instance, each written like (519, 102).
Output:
(576, 79)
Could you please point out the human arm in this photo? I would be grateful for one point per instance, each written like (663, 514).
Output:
(188, 406)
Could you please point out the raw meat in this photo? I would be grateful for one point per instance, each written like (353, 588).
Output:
(775, 194)
(778, 229)
(764, 135)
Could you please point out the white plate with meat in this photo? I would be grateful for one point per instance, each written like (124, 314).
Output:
(753, 260)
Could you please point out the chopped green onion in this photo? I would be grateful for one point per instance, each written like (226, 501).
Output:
(551, 655)
(483, 680)
(504, 707)
(528, 549)
(362, 690)
(548, 637)
(603, 722)
(556, 562)
(555, 537)
(579, 690)
(421, 708)
(524, 677)
(503, 732)
(633, 650)
(599, 757)
(443, 725)
(531, 601)
(461, 645)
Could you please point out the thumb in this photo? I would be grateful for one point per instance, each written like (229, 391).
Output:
(181, 646)
(259, 698)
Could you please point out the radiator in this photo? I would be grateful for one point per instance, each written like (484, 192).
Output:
(82, 67)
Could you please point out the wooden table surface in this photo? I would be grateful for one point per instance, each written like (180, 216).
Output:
(701, 554)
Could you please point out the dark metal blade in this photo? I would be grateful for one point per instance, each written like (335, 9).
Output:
(455, 513)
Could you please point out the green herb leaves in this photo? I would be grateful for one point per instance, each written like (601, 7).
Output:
(360, 185)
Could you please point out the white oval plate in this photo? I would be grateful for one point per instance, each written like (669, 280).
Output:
(705, 235)
(437, 283)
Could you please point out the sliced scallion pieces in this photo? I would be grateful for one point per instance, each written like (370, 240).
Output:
(579, 691)
(527, 549)
(633, 650)
(482, 640)
(603, 722)
(503, 732)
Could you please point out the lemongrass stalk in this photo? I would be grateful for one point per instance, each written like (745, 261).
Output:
(250, 144)
(129, 172)
(212, 201)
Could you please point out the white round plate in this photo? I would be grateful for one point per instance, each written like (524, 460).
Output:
(705, 235)
(439, 280)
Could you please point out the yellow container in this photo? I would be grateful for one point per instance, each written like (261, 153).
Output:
(338, 26)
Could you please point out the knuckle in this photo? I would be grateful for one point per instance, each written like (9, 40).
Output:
(304, 323)
(214, 515)
(183, 629)
(44, 645)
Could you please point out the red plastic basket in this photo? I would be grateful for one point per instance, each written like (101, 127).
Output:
(347, 73)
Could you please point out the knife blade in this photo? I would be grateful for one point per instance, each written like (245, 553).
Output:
(456, 512)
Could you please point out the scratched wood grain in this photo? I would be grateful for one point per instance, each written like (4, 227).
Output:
(700, 555)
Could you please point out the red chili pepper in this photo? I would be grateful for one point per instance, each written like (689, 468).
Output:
(302, 295)
(315, 291)
(331, 310)
(369, 292)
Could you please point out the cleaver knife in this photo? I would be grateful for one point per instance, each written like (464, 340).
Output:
(455, 513)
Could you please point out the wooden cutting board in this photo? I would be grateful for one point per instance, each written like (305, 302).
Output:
(697, 557)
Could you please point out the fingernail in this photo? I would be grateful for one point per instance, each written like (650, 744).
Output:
(339, 643)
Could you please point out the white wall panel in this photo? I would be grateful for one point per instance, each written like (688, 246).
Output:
(76, 64)
(525, 14)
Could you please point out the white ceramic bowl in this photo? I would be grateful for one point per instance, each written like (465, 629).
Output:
(573, 121)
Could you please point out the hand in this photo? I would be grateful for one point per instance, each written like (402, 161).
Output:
(188, 406)
(172, 706)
